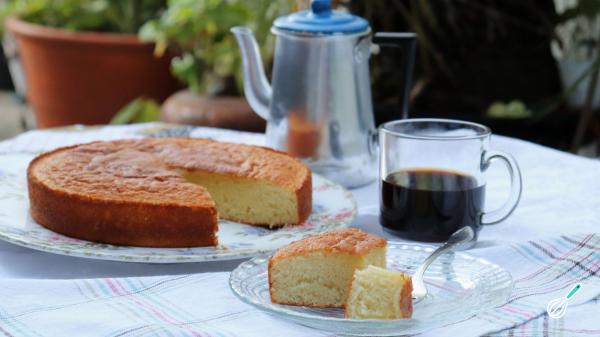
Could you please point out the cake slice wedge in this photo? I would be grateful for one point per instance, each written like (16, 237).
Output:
(378, 293)
(317, 270)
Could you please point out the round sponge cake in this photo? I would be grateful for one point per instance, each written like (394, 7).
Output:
(165, 192)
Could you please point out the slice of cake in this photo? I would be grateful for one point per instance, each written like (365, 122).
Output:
(379, 293)
(317, 271)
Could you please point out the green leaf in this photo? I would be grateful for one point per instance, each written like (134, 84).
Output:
(149, 31)
(584, 8)
(116, 16)
(140, 110)
(187, 69)
(512, 109)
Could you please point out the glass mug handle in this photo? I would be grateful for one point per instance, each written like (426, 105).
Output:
(516, 186)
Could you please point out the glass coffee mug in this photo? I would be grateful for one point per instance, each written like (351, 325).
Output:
(432, 178)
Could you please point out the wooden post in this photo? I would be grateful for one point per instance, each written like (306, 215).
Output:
(587, 113)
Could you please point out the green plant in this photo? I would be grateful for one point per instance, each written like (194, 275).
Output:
(116, 16)
(577, 38)
(140, 110)
(577, 33)
(198, 31)
(514, 109)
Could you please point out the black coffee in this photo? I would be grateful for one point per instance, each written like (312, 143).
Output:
(429, 204)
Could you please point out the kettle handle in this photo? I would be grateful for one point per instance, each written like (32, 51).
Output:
(407, 43)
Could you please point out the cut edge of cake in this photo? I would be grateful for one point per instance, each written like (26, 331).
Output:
(317, 271)
(378, 293)
(235, 199)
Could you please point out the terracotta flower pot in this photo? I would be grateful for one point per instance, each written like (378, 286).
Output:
(86, 77)
(227, 112)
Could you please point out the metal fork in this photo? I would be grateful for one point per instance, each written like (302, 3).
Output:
(459, 237)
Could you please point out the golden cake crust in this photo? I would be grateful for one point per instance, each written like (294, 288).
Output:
(132, 192)
(348, 240)
(351, 241)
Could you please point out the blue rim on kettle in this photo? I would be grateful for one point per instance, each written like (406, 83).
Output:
(320, 19)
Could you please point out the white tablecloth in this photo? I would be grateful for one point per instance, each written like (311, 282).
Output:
(561, 196)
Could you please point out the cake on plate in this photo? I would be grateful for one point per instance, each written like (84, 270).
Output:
(378, 293)
(317, 271)
(165, 192)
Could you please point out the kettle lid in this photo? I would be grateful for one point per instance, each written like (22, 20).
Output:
(320, 19)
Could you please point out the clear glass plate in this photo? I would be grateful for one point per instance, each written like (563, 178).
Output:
(459, 286)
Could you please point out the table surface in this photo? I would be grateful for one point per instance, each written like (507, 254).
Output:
(561, 195)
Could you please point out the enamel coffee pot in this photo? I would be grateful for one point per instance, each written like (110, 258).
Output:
(319, 105)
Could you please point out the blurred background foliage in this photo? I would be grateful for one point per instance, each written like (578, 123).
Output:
(488, 61)
(578, 29)
(208, 59)
(195, 32)
(495, 62)
(115, 16)
(471, 53)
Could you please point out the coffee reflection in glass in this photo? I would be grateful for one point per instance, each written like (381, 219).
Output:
(432, 180)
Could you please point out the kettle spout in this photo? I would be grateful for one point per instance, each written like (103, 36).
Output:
(256, 86)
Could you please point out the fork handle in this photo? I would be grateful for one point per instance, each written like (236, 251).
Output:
(459, 237)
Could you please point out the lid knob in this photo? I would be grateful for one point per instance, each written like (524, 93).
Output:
(321, 19)
(321, 7)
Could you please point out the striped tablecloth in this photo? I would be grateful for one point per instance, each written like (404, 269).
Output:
(543, 244)
(203, 305)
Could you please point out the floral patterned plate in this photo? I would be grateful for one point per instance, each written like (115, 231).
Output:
(333, 206)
